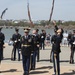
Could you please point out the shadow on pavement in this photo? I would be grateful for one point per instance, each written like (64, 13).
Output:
(10, 59)
(38, 72)
(71, 73)
(45, 67)
(6, 58)
(41, 72)
(45, 60)
(60, 60)
(11, 70)
(64, 61)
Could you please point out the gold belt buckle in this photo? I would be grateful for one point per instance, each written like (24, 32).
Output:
(26, 45)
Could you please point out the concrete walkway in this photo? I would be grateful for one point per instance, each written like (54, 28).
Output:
(16, 69)
(44, 67)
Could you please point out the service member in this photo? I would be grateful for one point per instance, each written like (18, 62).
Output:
(72, 42)
(56, 40)
(2, 38)
(26, 48)
(36, 46)
(16, 44)
(42, 39)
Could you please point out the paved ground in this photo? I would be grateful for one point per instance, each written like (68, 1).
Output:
(44, 67)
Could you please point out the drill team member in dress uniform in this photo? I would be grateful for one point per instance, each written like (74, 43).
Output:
(36, 45)
(2, 38)
(72, 42)
(51, 53)
(69, 37)
(16, 45)
(42, 39)
(26, 49)
(56, 40)
(38, 49)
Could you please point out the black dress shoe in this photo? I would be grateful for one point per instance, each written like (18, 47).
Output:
(0, 71)
(50, 60)
(24, 74)
(71, 62)
(13, 60)
(37, 60)
(31, 69)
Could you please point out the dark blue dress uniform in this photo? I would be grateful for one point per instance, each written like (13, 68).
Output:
(72, 42)
(42, 39)
(56, 40)
(16, 46)
(56, 50)
(69, 38)
(38, 48)
(2, 38)
(34, 54)
(26, 48)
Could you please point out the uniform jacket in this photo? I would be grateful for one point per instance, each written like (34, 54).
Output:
(2, 38)
(42, 37)
(56, 40)
(26, 45)
(16, 39)
(36, 40)
(72, 41)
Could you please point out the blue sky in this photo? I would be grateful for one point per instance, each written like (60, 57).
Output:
(40, 9)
